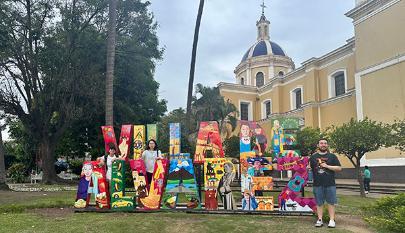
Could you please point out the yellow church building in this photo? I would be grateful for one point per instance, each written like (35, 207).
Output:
(363, 78)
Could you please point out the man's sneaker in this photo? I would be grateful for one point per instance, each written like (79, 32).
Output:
(332, 224)
(319, 223)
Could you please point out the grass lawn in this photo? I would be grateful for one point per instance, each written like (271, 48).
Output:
(37, 212)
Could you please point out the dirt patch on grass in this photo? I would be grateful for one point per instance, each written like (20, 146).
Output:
(55, 213)
(353, 223)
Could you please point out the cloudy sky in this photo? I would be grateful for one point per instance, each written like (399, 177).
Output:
(303, 28)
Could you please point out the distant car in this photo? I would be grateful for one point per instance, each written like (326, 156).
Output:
(61, 166)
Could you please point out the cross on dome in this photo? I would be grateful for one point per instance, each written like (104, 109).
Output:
(263, 6)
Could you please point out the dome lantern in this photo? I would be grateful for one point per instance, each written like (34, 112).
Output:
(263, 26)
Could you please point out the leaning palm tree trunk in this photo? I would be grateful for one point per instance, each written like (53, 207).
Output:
(192, 66)
(109, 83)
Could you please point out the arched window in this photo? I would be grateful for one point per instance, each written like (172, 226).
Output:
(337, 83)
(266, 112)
(245, 109)
(281, 73)
(242, 81)
(259, 79)
(296, 98)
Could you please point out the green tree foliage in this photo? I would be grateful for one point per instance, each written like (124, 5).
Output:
(231, 147)
(135, 92)
(356, 138)
(23, 147)
(46, 64)
(209, 105)
(399, 134)
(387, 214)
(18, 172)
(52, 69)
(307, 140)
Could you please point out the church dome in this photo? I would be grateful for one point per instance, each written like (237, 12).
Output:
(263, 48)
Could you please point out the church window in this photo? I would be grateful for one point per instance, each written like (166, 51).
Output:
(266, 109)
(281, 73)
(337, 83)
(296, 98)
(259, 79)
(244, 111)
(242, 81)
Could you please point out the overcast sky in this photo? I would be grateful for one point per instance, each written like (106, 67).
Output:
(303, 28)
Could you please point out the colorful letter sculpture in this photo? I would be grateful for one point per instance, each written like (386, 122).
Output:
(125, 141)
(109, 137)
(283, 135)
(214, 170)
(289, 199)
(117, 189)
(176, 175)
(181, 179)
(139, 140)
(82, 196)
(174, 138)
(139, 177)
(151, 132)
(92, 181)
(255, 169)
(209, 143)
(152, 201)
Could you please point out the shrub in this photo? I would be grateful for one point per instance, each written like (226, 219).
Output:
(387, 214)
(231, 147)
(17, 172)
(76, 166)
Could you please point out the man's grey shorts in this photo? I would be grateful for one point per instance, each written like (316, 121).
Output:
(325, 193)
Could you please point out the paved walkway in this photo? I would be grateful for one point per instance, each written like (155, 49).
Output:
(376, 184)
(342, 191)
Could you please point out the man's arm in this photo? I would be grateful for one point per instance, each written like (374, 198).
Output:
(332, 168)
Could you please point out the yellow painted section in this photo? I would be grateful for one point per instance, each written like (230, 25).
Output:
(381, 36)
(383, 93)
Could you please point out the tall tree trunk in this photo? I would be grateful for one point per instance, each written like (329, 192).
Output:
(3, 184)
(360, 180)
(109, 83)
(192, 66)
(46, 153)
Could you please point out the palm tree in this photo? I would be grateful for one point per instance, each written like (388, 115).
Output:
(211, 106)
(109, 82)
(192, 66)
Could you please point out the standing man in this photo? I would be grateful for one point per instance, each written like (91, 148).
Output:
(324, 165)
